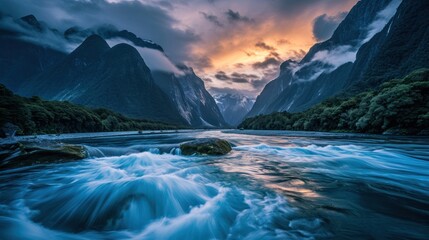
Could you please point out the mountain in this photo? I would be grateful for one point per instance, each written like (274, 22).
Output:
(398, 106)
(401, 47)
(116, 78)
(195, 105)
(187, 91)
(377, 41)
(233, 107)
(128, 78)
(18, 53)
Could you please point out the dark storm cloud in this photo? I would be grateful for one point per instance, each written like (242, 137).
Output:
(242, 77)
(212, 18)
(236, 17)
(147, 21)
(221, 75)
(235, 77)
(264, 46)
(324, 25)
(271, 60)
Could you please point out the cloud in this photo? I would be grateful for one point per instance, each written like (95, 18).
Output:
(283, 41)
(383, 17)
(263, 45)
(249, 54)
(149, 21)
(154, 59)
(242, 77)
(235, 77)
(239, 65)
(271, 60)
(236, 17)
(324, 25)
(212, 18)
(337, 56)
(202, 63)
(40, 35)
(221, 75)
(325, 61)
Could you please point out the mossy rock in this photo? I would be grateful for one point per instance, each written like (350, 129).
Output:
(24, 154)
(206, 146)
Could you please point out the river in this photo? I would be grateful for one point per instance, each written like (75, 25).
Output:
(273, 185)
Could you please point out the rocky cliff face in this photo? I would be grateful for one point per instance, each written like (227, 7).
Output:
(401, 47)
(192, 100)
(329, 67)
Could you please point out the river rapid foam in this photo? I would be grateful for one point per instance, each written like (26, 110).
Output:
(276, 187)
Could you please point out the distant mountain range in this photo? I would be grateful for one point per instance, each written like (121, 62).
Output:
(377, 41)
(233, 107)
(107, 68)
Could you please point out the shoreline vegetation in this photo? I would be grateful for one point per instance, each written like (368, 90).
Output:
(398, 107)
(28, 116)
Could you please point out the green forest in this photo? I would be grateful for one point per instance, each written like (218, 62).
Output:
(36, 116)
(398, 106)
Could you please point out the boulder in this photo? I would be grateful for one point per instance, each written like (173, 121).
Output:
(206, 146)
(24, 154)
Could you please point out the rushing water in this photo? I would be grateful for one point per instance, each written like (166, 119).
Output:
(273, 185)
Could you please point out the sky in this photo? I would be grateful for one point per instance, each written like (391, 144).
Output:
(233, 45)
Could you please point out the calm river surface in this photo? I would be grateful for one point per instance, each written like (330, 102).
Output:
(273, 185)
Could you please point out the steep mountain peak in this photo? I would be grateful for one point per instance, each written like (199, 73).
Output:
(91, 49)
(32, 21)
(124, 57)
(353, 29)
(94, 41)
(123, 51)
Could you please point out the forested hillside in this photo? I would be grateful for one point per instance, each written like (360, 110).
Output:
(398, 106)
(34, 115)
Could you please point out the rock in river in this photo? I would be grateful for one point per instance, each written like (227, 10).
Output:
(206, 146)
(22, 154)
